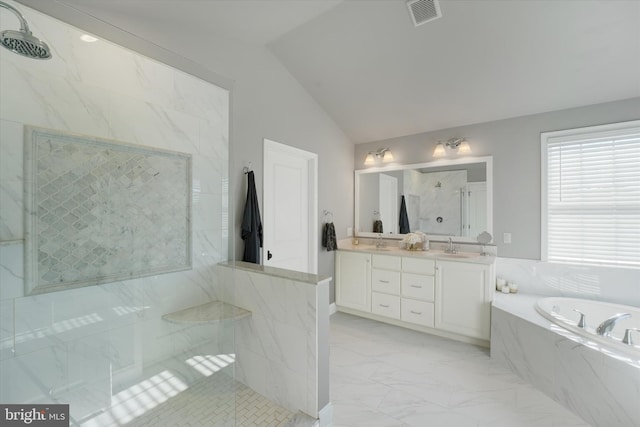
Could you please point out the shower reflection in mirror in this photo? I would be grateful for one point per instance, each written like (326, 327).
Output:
(456, 192)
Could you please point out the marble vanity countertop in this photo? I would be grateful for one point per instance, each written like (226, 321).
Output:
(390, 249)
(210, 312)
(281, 273)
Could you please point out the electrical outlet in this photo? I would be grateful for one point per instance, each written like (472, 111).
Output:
(349, 231)
(506, 238)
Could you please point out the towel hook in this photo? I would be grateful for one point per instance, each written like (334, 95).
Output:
(329, 214)
(246, 169)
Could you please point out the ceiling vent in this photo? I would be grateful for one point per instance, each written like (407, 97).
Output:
(423, 11)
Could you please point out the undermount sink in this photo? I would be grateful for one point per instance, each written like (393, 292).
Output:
(459, 255)
(376, 249)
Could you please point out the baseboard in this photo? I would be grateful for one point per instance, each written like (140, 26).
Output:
(332, 308)
(415, 327)
(325, 415)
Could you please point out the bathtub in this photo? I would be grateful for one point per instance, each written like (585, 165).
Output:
(598, 378)
(561, 312)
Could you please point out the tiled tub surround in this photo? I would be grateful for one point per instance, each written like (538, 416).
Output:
(615, 285)
(594, 381)
(84, 346)
(282, 350)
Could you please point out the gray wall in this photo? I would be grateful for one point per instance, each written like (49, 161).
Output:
(266, 102)
(515, 147)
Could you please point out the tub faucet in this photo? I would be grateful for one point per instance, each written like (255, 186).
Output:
(581, 323)
(627, 336)
(606, 327)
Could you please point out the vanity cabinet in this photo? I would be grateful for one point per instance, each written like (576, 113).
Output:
(464, 294)
(353, 280)
(448, 298)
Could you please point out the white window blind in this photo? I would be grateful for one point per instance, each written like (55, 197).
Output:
(591, 196)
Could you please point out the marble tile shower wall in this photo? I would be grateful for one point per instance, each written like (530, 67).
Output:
(439, 197)
(82, 345)
(616, 285)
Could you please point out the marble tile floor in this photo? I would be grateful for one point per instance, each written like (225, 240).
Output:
(383, 376)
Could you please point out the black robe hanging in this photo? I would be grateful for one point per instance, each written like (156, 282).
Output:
(404, 218)
(251, 230)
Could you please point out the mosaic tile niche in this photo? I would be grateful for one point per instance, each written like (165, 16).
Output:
(98, 211)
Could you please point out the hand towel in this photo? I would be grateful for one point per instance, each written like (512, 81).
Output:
(329, 237)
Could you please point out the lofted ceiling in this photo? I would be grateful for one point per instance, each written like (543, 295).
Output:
(380, 77)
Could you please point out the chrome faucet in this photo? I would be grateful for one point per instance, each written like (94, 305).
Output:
(450, 249)
(606, 327)
(627, 336)
(581, 323)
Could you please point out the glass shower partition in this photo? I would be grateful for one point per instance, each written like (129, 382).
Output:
(93, 314)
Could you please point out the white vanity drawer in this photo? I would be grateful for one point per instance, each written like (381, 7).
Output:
(385, 305)
(417, 265)
(419, 312)
(385, 281)
(386, 262)
(418, 286)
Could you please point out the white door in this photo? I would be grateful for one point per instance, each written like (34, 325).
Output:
(290, 208)
(389, 203)
(477, 208)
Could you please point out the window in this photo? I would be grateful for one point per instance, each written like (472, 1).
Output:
(591, 195)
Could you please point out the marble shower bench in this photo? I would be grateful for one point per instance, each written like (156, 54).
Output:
(210, 312)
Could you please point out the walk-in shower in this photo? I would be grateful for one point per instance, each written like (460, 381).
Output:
(22, 41)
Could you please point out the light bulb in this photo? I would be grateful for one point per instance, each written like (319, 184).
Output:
(369, 160)
(464, 148)
(439, 150)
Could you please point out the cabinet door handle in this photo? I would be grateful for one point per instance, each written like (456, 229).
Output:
(416, 312)
(416, 286)
(383, 305)
(384, 281)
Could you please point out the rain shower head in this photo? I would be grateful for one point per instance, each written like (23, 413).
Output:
(22, 41)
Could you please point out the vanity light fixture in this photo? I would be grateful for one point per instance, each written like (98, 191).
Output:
(384, 153)
(460, 145)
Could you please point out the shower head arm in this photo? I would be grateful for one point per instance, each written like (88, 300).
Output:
(23, 22)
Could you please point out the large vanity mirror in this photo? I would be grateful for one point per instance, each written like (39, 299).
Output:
(445, 198)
